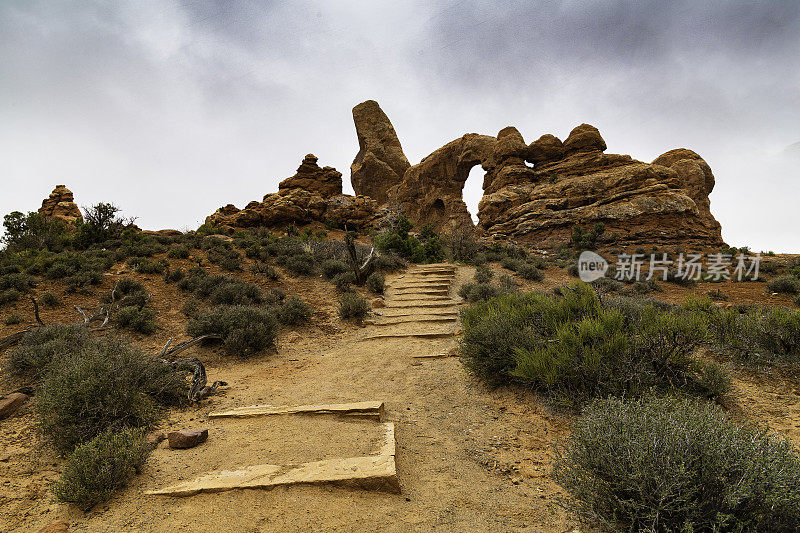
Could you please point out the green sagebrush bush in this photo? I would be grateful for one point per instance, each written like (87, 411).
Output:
(475, 292)
(332, 267)
(139, 319)
(530, 272)
(94, 470)
(376, 282)
(244, 330)
(576, 349)
(50, 299)
(784, 285)
(294, 311)
(678, 465)
(343, 281)
(351, 305)
(107, 385)
(221, 289)
(179, 252)
(752, 335)
(483, 274)
(40, 346)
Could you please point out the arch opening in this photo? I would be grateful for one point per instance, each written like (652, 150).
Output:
(473, 191)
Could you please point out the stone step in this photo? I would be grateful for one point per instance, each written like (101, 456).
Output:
(450, 303)
(371, 472)
(370, 409)
(433, 335)
(412, 320)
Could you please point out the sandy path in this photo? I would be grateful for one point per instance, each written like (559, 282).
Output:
(468, 459)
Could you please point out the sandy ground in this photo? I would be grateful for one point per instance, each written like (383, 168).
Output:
(468, 458)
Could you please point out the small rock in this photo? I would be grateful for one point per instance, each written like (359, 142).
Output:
(378, 302)
(59, 526)
(11, 404)
(293, 337)
(187, 438)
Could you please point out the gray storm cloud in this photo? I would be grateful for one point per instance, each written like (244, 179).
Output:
(171, 109)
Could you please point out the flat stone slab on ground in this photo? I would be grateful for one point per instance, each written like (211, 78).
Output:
(369, 409)
(367, 472)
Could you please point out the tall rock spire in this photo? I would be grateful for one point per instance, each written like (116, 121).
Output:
(380, 162)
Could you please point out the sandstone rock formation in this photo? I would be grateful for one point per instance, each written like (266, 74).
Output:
(663, 202)
(313, 194)
(326, 181)
(380, 162)
(535, 193)
(60, 205)
(431, 190)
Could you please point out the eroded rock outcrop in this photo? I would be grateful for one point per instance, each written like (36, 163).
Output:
(60, 205)
(663, 202)
(380, 163)
(431, 191)
(313, 194)
(325, 181)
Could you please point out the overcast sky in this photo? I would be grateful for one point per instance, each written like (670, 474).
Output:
(172, 109)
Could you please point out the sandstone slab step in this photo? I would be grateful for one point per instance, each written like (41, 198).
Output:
(374, 472)
(369, 409)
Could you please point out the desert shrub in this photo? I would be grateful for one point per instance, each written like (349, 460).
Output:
(572, 270)
(755, 335)
(784, 285)
(227, 258)
(173, 276)
(108, 384)
(191, 307)
(40, 346)
(34, 232)
(462, 245)
(179, 252)
(12, 319)
(301, 264)
(17, 281)
(294, 311)
(82, 281)
(332, 267)
(573, 348)
(244, 330)
(274, 296)
(351, 305)
(389, 262)
(376, 282)
(587, 240)
(425, 248)
(100, 224)
(493, 330)
(608, 353)
(146, 266)
(50, 299)
(344, 281)
(9, 296)
(136, 318)
(94, 470)
(268, 271)
(483, 274)
(678, 465)
(221, 289)
(507, 284)
(475, 292)
(605, 285)
(530, 272)
(511, 263)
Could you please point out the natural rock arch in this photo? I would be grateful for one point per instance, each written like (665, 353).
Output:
(431, 191)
